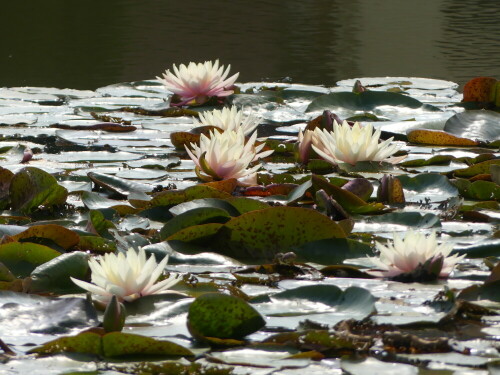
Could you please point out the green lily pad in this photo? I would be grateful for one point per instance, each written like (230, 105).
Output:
(31, 188)
(54, 275)
(21, 258)
(424, 187)
(481, 125)
(112, 345)
(332, 250)
(118, 185)
(481, 190)
(195, 216)
(259, 235)
(222, 316)
(365, 101)
(173, 197)
(349, 201)
(479, 168)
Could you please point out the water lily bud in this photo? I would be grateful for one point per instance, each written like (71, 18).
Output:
(360, 187)
(358, 88)
(390, 190)
(114, 316)
(27, 155)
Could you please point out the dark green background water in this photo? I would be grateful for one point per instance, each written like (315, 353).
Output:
(87, 44)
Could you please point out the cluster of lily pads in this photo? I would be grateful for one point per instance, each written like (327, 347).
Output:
(279, 209)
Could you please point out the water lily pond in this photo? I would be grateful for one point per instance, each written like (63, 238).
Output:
(273, 278)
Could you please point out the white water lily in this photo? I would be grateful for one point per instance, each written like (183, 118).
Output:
(405, 254)
(227, 155)
(228, 119)
(128, 277)
(196, 83)
(352, 144)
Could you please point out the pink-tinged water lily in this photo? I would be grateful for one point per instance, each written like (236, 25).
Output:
(352, 144)
(304, 143)
(196, 83)
(221, 156)
(404, 255)
(127, 277)
(228, 119)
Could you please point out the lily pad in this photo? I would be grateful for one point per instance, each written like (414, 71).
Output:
(365, 101)
(222, 316)
(430, 187)
(22, 258)
(31, 188)
(112, 345)
(195, 216)
(60, 235)
(438, 137)
(478, 125)
(54, 275)
(263, 233)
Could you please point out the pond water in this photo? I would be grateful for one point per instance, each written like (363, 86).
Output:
(85, 45)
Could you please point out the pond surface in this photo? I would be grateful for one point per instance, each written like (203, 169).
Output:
(85, 45)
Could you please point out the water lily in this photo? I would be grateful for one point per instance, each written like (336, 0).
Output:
(352, 144)
(405, 254)
(196, 83)
(127, 277)
(221, 156)
(228, 119)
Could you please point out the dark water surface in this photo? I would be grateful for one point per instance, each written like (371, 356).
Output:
(88, 44)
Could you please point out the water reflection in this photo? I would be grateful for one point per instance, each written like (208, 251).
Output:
(95, 43)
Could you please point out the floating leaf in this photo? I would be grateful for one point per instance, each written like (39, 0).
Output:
(435, 160)
(173, 197)
(61, 236)
(54, 275)
(222, 316)
(263, 233)
(31, 188)
(349, 201)
(182, 139)
(438, 137)
(481, 190)
(195, 216)
(480, 125)
(22, 258)
(430, 187)
(476, 169)
(37, 314)
(113, 345)
(365, 101)
(96, 244)
(332, 250)
(197, 234)
(118, 185)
